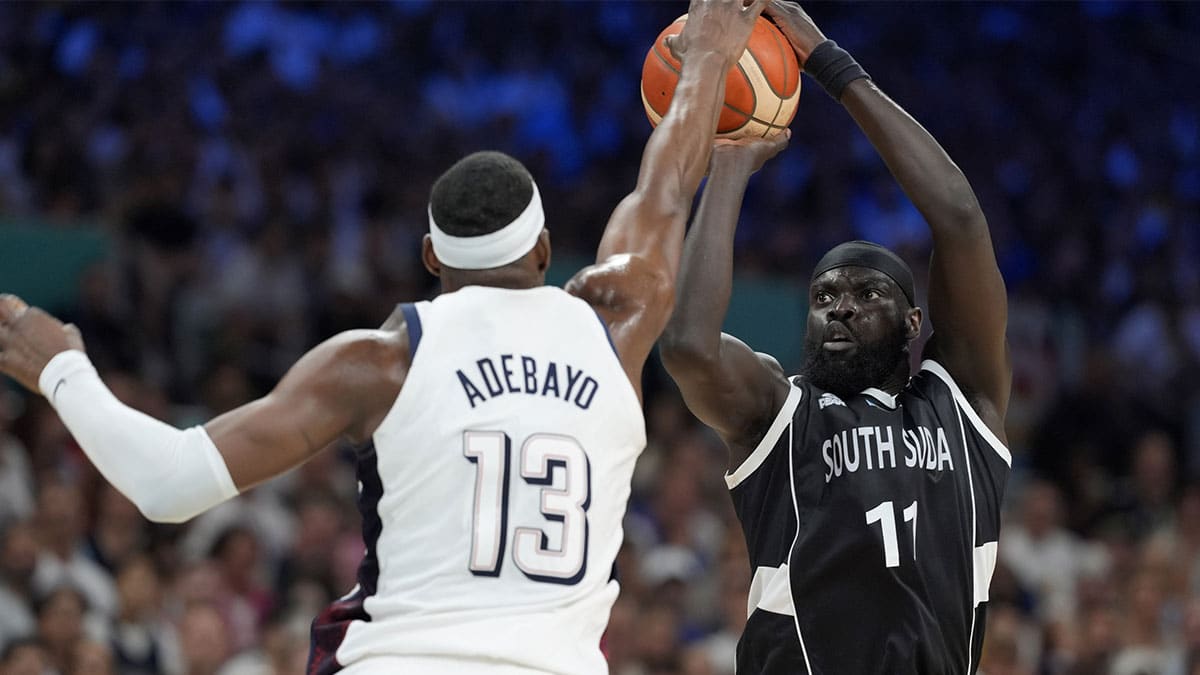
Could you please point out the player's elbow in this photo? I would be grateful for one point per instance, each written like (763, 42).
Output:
(683, 350)
(162, 508)
(960, 208)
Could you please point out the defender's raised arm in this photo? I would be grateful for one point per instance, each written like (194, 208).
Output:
(632, 283)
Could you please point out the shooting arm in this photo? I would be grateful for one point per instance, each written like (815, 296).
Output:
(968, 306)
(725, 384)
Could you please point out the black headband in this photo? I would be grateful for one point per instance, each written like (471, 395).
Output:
(873, 256)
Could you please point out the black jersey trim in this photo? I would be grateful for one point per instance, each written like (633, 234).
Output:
(988, 435)
(763, 450)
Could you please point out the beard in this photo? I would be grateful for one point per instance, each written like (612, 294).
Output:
(846, 375)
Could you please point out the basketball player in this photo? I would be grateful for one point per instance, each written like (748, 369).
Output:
(501, 421)
(869, 497)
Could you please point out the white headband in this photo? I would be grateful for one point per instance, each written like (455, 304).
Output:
(494, 249)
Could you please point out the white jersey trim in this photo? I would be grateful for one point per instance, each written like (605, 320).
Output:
(792, 550)
(962, 430)
(985, 566)
(881, 396)
(771, 590)
(988, 435)
(763, 450)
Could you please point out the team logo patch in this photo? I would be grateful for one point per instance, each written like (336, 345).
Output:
(828, 399)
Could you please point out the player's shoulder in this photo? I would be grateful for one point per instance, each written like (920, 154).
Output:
(378, 348)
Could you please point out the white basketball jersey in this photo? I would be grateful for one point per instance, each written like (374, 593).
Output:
(494, 496)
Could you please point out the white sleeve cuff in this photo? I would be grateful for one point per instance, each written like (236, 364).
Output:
(170, 474)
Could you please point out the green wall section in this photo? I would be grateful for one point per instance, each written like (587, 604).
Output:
(43, 263)
(767, 314)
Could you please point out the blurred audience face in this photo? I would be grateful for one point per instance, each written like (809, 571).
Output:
(138, 589)
(1154, 469)
(60, 622)
(1002, 642)
(120, 527)
(1041, 510)
(59, 517)
(92, 658)
(18, 556)
(1101, 632)
(237, 559)
(26, 659)
(202, 640)
(658, 635)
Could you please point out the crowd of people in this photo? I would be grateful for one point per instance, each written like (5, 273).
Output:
(261, 173)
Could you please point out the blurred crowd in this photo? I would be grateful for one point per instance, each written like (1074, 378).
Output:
(261, 171)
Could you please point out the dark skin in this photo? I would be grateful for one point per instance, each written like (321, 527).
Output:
(344, 387)
(738, 392)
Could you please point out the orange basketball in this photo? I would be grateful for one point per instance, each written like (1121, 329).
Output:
(761, 90)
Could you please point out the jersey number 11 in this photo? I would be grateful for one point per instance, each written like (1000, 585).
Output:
(884, 514)
(541, 455)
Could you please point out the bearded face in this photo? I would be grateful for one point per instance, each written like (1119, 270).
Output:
(846, 372)
(859, 327)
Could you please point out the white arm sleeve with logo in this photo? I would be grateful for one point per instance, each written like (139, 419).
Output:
(170, 474)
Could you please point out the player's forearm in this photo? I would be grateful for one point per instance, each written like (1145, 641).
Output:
(681, 144)
(706, 274)
(672, 165)
(934, 183)
(170, 474)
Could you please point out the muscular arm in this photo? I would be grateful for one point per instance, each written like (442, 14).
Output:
(343, 387)
(725, 384)
(340, 389)
(632, 283)
(968, 306)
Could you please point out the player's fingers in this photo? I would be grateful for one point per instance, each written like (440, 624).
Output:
(754, 8)
(74, 337)
(671, 42)
(777, 8)
(11, 307)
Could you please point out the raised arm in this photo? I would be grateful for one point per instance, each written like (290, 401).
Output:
(725, 383)
(968, 306)
(632, 284)
(340, 389)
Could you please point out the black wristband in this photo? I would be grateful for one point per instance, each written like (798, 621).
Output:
(833, 68)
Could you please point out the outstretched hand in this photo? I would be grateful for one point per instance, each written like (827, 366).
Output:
(750, 153)
(29, 338)
(797, 26)
(716, 26)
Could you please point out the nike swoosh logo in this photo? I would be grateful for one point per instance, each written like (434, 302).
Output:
(54, 394)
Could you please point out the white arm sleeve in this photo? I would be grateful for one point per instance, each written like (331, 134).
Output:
(170, 474)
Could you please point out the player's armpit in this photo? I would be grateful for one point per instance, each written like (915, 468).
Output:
(342, 388)
(735, 390)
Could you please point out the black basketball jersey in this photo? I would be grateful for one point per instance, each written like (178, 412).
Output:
(871, 524)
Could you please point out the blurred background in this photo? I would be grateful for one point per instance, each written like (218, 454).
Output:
(209, 189)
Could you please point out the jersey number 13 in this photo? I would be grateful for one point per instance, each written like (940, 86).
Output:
(541, 455)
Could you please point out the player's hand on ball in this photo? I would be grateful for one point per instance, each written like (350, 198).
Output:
(796, 25)
(717, 26)
(29, 338)
(750, 153)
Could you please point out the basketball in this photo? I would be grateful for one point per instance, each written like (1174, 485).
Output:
(761, 90)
